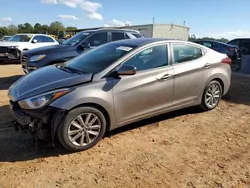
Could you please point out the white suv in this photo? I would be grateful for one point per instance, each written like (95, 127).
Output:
(11, 49)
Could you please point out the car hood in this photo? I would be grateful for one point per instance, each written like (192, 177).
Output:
(12, 43)
(49, 49)
(43, 80)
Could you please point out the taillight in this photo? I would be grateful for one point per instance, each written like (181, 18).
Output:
(226, 60)
(231, 49)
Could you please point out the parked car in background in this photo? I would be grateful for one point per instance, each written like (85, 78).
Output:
(74, 46)
(116, 84)
(242, 43)
(12, 49)
(5, 38)
(232, 51)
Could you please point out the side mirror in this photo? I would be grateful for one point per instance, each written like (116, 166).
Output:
(126, 70)
(85, 45)
(34, 41)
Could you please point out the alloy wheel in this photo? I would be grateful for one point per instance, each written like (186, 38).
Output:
(84, 129)
(213, 96)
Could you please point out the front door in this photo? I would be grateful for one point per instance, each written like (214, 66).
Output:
(149, 91)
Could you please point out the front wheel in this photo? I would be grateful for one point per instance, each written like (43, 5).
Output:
(211, 96)
(81, 129)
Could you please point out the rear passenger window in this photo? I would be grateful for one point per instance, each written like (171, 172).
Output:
(183, 53)
(98, 39)
(117, 36)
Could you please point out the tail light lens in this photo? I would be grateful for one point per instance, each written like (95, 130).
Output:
(231, 49)
(226, 60)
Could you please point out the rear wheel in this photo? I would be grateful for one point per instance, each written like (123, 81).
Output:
(211, 96)
(81, 129)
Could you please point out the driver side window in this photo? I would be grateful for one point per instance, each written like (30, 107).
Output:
(39, 39)
(150, 58)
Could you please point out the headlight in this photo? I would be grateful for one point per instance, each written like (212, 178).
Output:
(37, 57)
(42, 100)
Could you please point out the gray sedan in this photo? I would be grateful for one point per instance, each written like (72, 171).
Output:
(116, 84)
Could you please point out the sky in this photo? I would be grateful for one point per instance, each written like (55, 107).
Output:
(213, 18)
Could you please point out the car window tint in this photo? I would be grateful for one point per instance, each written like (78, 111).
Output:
(137, 35)
(183, 53)
(39, 39)
(234, 42)
(207, 44)
(150, 58)
(117, 36)
(47, 39)
(98, 39)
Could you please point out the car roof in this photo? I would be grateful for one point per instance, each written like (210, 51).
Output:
(143, 41)
(111, 29)
(33, 34)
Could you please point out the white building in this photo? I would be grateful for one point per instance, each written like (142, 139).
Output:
(162, 30)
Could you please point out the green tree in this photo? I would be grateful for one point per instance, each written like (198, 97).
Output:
(12, 29)
(71, 28)
(38, 28)
(3, 31)
(45, 29)
(25, 28)
(56, 27)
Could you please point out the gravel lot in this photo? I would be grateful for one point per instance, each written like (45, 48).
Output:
(181, 149)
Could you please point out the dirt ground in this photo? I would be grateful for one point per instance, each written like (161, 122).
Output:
(181, 149)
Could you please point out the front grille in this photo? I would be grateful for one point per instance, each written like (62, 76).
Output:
(24, 61)
(3, 49)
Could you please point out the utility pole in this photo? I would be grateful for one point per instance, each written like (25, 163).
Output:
(153, 21)
(184, 23)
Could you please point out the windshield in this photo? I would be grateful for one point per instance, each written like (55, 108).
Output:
(76, 38)
(100, 58)
(20, 38)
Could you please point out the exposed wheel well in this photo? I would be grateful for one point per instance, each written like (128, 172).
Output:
(221, 83)
(25, 49)
(102, 109)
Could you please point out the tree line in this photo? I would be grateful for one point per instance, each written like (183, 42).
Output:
(193, 37)
(54, 28)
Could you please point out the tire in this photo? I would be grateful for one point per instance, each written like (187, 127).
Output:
(87, 132)
(205, 105)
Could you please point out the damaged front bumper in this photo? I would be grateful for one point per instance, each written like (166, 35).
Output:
(43, 123)
(9, 53)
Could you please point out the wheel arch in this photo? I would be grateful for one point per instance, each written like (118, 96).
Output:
(60, 115)
(99, 107)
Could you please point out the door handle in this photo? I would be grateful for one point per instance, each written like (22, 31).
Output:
(165, 77)
(207, 65)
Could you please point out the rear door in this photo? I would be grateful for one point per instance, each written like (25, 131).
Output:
(149, 91)
(191, 71)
